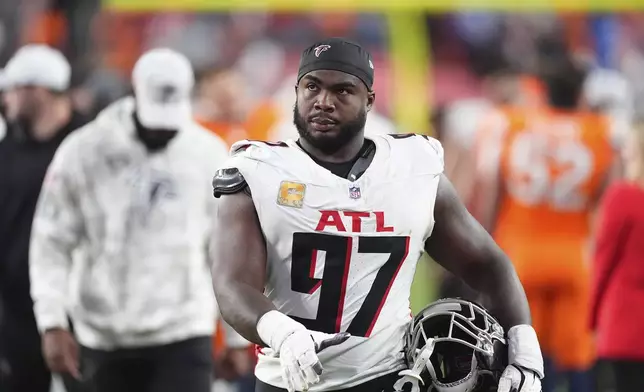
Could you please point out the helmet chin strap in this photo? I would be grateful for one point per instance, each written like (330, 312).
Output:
(413, 375)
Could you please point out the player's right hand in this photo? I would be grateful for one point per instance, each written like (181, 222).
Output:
(301, 366)
(60, 351)
(297, 348)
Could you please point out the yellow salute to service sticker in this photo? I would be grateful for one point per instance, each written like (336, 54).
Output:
(291, 194)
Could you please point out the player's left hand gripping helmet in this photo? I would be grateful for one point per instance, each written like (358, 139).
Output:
(454, 345)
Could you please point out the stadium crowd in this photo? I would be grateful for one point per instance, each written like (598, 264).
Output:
(563, 200)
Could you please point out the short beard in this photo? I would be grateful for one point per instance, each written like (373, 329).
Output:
(329, 145)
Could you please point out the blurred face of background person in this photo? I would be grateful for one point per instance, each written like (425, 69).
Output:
(220, 96)
(633, 154)
(37, 79)
(502, 87)
(26, 103)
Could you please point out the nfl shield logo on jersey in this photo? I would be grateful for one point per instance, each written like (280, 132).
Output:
(354, 192)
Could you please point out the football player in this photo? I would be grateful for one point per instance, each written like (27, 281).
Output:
(541, 175)
(318, 239)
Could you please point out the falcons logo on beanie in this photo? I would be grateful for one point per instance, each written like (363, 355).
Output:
(322, 48)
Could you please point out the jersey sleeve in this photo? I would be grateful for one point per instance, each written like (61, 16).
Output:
(435, 153)
(417, 153)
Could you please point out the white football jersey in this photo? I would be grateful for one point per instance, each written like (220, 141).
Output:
(342, 254)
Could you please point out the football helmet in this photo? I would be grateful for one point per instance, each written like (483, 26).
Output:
(454, 345)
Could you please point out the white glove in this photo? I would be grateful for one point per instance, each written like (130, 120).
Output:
(297, 348)
(525, 371)
(516, 379)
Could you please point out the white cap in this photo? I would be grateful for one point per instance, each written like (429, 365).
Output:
(163, 81)
(38, 65)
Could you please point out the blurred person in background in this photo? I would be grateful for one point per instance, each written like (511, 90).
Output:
(450, 286)
(39, 115)
(608, 92)
(218, 105)
(618, 292)
(266, 79)
(462, 120)
(541, 174)
(102, 87)
(119, 242)
(225, 109)
(502, 86)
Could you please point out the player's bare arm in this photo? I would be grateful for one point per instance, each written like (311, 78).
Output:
(461, 245)
(239, 257)
(238, 254)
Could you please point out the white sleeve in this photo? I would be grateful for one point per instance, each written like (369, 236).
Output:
(55, 232)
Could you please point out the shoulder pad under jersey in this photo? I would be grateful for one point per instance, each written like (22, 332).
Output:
(243, 145)
(227, 182)
(406, 135)
(424, 148)
(434, 143)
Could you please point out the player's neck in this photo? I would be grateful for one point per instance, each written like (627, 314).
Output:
(345, 154)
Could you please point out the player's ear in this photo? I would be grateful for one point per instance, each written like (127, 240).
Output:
(371, 99)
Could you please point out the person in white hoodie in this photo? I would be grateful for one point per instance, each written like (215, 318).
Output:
(119, 242)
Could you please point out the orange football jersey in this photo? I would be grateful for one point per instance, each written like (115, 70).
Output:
(552, 166)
